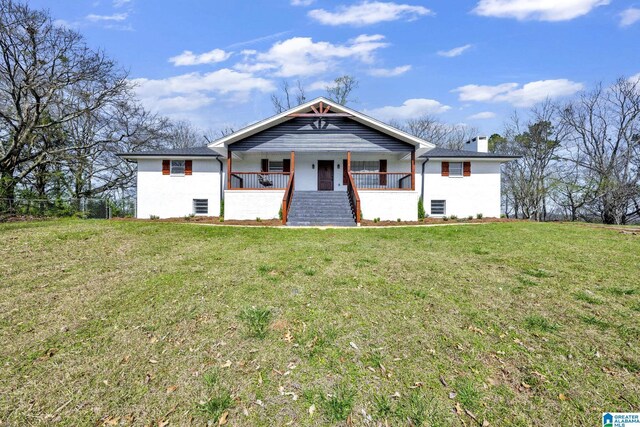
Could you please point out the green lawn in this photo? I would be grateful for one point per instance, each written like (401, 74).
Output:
(140, 323)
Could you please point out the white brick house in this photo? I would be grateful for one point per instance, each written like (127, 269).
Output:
(319, 163)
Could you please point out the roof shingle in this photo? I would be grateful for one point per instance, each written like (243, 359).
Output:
(203, 151)
(437, 152)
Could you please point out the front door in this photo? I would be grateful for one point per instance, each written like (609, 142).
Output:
(325, 175)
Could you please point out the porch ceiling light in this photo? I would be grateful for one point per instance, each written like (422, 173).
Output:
(313, 165)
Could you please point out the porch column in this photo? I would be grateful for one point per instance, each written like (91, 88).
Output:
(228, 169)
(348, 162)
(413, 170)
(293, 162)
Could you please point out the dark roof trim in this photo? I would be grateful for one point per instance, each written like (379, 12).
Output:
(178, 152)
(445, 153)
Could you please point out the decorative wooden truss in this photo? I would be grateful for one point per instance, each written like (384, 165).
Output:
(320, 110)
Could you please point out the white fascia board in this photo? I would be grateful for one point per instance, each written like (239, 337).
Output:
(223, 142)
(168, 157)
(470, 159)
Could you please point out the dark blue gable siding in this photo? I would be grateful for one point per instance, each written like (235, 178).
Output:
(321, 134)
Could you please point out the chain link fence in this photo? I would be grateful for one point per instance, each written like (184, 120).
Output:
(89, 208)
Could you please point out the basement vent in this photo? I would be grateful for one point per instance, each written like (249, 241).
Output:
(438, 207)
(201, 206)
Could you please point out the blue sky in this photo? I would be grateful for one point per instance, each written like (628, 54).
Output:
(475, 62)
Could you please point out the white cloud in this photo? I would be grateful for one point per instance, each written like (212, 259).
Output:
(456, 51)
(181, 103)
(302, 2)
(389, 72)
(194, 90)
(485, 115)
(116, 17)
(411, 108)
(629, 17)
(301, 56)
(541, 10)
(519, 96)
(368, 12)
(120, 3)
(635, 78)
(189, 58)
(318, 85)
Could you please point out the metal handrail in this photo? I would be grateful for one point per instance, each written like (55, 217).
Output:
(260, 180)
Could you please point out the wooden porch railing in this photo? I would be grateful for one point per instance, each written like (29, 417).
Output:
(354, 198)
(286, 200)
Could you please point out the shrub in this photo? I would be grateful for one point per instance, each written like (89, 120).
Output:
(258, 219)
(221, 208)
(503, 216)
(376, 219)
(398, 220)
(479, 215)
(470, 217)
(280, 213)
(421, 213)
(445, 218)
(154, 217)
(453, 217)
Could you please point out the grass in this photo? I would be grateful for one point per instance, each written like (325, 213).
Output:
(256, 320)
(539, 323)
(338, 405)
(138, 323)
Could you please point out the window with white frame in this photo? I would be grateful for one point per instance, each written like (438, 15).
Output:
(177, 167)
(438, 207)
(455, 168)
(365, 166)
(201, 206)
(276, 166)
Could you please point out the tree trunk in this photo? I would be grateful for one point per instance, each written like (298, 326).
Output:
(7, 192)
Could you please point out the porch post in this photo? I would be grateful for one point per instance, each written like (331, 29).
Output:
(413, 170)
(348, 162)
(228, 169)
(293, 163)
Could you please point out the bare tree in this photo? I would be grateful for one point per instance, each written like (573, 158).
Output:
(91, 168)
(341, 89)
(48, 77)
(537, 141)
(442, 134)
(605, 142)
(183, 134)
(289, 97)
(568, 191)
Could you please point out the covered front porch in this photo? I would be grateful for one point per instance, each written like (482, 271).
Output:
(377, 185)
(317, 148)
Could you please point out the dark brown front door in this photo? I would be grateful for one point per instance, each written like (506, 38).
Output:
(325, 175)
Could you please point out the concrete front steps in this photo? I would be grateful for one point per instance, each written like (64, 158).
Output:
(320, 208)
